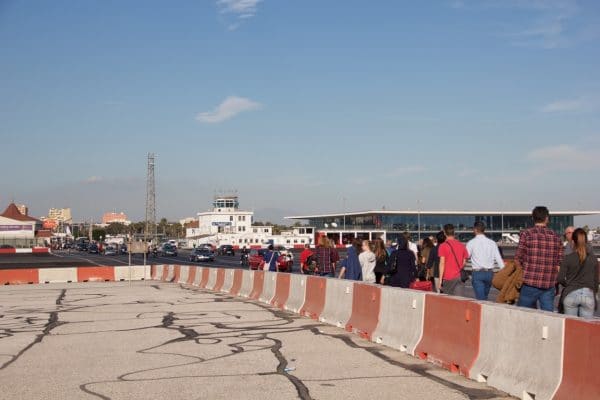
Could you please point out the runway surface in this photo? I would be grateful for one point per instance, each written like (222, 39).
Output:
(156, 340)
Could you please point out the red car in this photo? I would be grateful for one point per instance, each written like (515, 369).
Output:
(256, 261)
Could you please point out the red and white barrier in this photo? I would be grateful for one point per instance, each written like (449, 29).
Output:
(268, 291)
(34, 250)
(338, 302)
(74, 274)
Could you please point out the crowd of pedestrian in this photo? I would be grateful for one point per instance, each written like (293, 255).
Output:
(543, 268)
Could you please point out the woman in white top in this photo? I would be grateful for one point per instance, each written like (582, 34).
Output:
(367, 261)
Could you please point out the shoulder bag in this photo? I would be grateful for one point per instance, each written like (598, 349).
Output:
(464, 275)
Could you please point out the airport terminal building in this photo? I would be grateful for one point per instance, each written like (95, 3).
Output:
(343, 227)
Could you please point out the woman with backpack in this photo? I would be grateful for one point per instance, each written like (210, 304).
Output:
(402, 268)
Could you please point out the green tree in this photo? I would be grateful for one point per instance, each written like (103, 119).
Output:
(98, 232)
(116, 228)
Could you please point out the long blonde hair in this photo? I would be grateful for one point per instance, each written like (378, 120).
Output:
(580, 242)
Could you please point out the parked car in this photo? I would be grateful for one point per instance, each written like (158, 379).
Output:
(93, 248)
(226, 250)
(110, 251)
(200, 254)
(82, 246)
(167, 250)
(123, 249)
(256, 260)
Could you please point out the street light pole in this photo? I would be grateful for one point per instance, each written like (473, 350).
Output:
(419, 220)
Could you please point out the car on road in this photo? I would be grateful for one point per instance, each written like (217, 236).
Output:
(82, 246)
(256, 260)
(93, 248)
(207, 246)
(200, 254)
(167, 250)
(110, 251)
(123, 249)
(226, 250)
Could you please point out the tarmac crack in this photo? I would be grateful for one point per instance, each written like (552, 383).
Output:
(52, 323)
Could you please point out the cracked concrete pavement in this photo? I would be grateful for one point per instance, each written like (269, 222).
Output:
(160, 340)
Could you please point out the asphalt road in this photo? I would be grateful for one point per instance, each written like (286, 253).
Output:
(156, 340)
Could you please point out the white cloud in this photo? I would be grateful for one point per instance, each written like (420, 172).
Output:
(229, 108)
(243, 8)
(238, 10)
(567, 105)
(407, 170)
(564, 157)
(94, 179)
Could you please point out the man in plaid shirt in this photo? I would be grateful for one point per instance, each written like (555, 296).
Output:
(539, 253)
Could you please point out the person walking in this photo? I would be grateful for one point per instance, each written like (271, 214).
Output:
(423, 271)
(350, 266)
(484, 255)
(270, 258)
(579, 276)
(326, 257)
(402, 268)
(569, 246)
(381, 257)
(306, 266)
(539, 254)
(453, 255)
(367, 261)
(433, 262)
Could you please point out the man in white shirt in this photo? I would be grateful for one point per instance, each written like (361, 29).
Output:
(484, 254)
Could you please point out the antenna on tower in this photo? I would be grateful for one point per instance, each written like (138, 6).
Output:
(150, 228)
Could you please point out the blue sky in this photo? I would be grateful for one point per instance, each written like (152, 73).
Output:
(459, 104)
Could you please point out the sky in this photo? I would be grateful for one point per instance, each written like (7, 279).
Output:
(301, 106)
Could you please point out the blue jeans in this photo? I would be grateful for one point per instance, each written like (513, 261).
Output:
(531, 295)
(580, 303)
(482, 283)
(329, 274)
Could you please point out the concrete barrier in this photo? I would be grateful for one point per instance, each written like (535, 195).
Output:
(191, 274)
(282, 290)
(198, 276)
(366, 304)
(581, 362)
(205, 278)
(451, 329)
(212, 278)
(220, 280)
(247, 283)
(236, 286)
(19, 276)
(50, 275)
(95, 274)
(138, 272)
(166, 273)
(184, 273)
(314, 300)
(297, 294)
(268, 291)
(258, 283)
(157, 271)
(176, 273)
(400, 319)
(338, 302)
(228, 280)
(520, 351)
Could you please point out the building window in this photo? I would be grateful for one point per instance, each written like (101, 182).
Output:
(254, 230)
(231, 218)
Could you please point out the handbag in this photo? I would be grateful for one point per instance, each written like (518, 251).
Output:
(425, 286)
(464, 275)
(267, 265)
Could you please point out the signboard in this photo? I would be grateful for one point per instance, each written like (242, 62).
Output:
(221, 224)
(12, 228)
(138, 247)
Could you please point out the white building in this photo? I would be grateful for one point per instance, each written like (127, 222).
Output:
(227, 224)
(14, 225)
